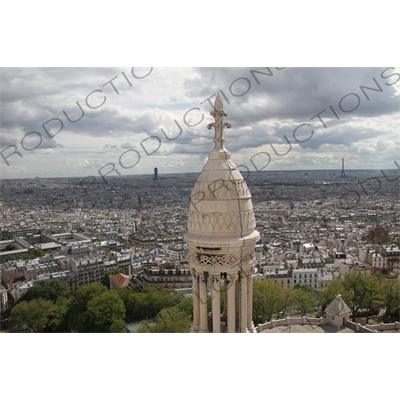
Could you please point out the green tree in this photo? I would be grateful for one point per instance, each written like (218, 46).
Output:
(186, 305)
(32, 316)
(118, 326)
(79, 302)
(124, 294)
(373, 300)
(358, 285)
(35, 292)
(391, 299)
(30, 255)
(361, 292)
(53, 319)
(269, 300)
(148, 303)
(52, 290)
(169, 320)
(304, 299)
(334, 287)
(58, 318)
(103, 312)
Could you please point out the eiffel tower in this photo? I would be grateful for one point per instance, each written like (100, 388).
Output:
(342, 174)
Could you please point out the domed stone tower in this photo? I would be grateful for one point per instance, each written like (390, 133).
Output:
(221, 239)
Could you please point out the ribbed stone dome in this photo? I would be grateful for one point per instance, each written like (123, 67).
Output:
(220, 202)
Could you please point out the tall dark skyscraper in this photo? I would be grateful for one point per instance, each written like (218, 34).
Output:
(156, 174)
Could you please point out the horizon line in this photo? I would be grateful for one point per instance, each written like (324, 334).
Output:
(197, 172)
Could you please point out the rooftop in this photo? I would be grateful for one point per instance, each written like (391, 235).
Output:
(121, 280)
(337, 307)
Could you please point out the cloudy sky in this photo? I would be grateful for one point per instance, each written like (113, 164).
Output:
(60, 122)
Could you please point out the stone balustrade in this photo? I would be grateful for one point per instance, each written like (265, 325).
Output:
(289, 321)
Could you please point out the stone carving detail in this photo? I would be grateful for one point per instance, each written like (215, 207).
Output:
(225, 259)
(244, 274)
(213, 221)
(218, 113)
(221, 189)
(248, 220)
(228, 259)
(215, 278)
(231, 278)
(220, 222)
(194, 273)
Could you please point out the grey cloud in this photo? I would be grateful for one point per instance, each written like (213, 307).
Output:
(273, 108)
(300, 93)
(126, 145)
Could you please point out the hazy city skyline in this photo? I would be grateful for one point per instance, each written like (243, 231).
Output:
(142, 118)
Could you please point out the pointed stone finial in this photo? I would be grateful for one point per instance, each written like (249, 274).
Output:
(218, 113)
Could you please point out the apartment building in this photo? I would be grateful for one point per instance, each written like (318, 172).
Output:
(306, 276)
(164, 277)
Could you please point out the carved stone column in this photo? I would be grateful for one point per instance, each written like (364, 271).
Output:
(196, 301)
(250, 325)
(231, 309)
(225, 299)
(243, 301)
(203, 303)
(216, 303)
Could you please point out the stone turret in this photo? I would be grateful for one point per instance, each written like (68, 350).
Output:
(221, 239)
(338, 312)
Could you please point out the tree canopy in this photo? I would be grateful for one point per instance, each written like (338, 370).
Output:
(366, 295)
(43, 308)
(169, 320)
(103, 312)
(79, 303)
(147, 303)
(304, 299)
(52, 290)
(334, 287)
(30, 255)
(269, 300)
(391, 299)
(30, 316)
(94, 308)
